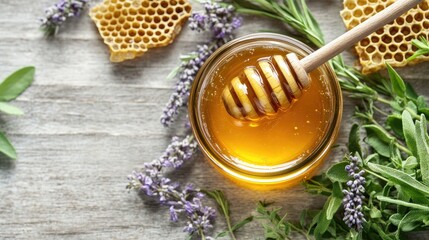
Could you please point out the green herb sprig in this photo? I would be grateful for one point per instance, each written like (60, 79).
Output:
(391, 141)
(223, 206)
(423, 48)
(13, 86)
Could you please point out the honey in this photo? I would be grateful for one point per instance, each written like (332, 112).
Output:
(281, 148)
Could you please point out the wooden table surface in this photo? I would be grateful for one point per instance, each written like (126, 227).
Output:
(89, 123)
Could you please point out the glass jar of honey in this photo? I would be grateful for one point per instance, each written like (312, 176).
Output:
(277, 150)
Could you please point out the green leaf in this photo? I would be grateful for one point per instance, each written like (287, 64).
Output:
(380, 146)
(336, 200)
(403, 203)
(400, 178)
(409, 132)
(378, 139)
(423, 149)
(9, 109)
(16, 83)
(354, 139)
(395, 123)
(410, 163)
(329, 209)
(374, 212)
(6, 147)
(337, 172)
(379, 132)
(395, 219)
(410, 93)
(421, 102)
(412, 220)
(398, 84)
(242, 223)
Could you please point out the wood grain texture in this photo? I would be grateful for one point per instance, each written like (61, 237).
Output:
(88, 123)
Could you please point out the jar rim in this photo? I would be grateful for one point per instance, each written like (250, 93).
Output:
(258, 173)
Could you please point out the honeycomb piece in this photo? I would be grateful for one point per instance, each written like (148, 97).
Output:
(392, 43)
(131, 27)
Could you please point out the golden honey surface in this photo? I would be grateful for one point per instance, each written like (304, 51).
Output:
(286, 137)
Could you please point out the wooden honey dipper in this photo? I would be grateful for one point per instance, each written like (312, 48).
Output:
(283, 80)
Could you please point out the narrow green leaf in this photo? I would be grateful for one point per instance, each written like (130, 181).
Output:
(398, 84)
(423, 149)
(400, 178)
(16, 83)
(9, 109)
(337, 172)
(403, 203)
(335, 202)
(412, 220)
(409, 132)
(6, 147)
(354, 139)
(242, 223)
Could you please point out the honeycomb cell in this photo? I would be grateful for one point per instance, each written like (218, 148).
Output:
(131, 27)
(392, 43)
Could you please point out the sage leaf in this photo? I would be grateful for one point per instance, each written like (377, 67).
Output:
(6, 147)
(379, 132)
(410, 163)
(410, 93)
(16, 83)
(336, 200)
(398, 85)
(354, 138)
(423, 149)
(395, 219)
(412, 220)
(421, 103)
(337, 172)
(9, 109)
(375, 213)
(395, 123)
(375, 142)
(378, 139)
(409, 132)
(400, 178)
(403, 203)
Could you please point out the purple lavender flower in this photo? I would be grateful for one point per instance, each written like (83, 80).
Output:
(57, 14)
(354, 196)
(180, 96)
(188, 202)
(221, 21)
(216, 18)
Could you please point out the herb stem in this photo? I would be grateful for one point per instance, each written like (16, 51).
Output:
(228, 222)
(383, 100)
(376, 175)
(301, 231)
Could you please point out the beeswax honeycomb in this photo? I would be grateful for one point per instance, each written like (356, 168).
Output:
(131, 27)
(392, 43)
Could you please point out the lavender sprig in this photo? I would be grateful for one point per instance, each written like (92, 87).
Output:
(151, 182)
(221, 21)
(57, 14)
(354, 196)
